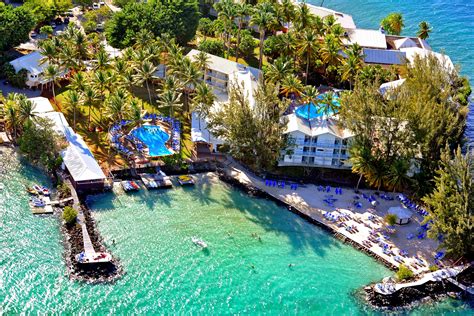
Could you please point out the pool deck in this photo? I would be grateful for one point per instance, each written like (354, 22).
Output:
(308, 201)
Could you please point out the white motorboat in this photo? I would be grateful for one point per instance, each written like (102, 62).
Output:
(199, 242)
(2, 186)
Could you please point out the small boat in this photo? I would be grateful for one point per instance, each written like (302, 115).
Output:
(199, 242)
(41, 190)
(31, 191)
(2, 186)
(45, 191)
(185, 180)
(38, 202)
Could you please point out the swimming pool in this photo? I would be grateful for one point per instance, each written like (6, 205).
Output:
(311, 111)
(155, 139)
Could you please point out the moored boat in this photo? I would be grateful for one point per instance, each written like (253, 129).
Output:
(185, 180)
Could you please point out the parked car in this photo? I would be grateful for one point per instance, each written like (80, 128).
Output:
(102, 3)
(95, 6)
(33, 34)
(53, 25)
(100, 27)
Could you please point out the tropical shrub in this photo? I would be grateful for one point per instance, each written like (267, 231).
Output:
(214, 47)
(404, 273)
(391, 219)
(69, 215)
(247, 43)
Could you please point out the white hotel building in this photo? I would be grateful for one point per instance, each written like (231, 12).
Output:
(319, 142)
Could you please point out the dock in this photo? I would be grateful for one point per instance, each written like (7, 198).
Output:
(47, 209)
(89, 255)
(156, 181)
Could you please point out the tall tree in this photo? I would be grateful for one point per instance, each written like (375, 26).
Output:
(393, 23)
(308, 45)
(144, 73)
(72, 102)
(52, 74)
(451, 205)
(264, 18)
(424, 30)
(15, 25)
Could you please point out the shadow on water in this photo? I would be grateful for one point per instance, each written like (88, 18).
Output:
(301, 234)
(201, 192)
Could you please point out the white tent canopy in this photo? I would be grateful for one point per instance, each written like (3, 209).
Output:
(403, 214)
(79, 159)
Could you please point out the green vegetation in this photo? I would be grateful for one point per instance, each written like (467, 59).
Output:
(254, 136)
(399, 137)
(177, 18)
(393, 23)
(391, 219)
(44, 11)
(424, 30)
(93, 18)
(69, 215)
(15, 25)
(63, 190)
(40, 144)
(404, 273)
(451, 205)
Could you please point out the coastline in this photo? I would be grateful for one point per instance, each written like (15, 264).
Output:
(401, 300)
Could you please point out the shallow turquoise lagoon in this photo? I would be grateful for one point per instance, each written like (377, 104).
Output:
(166, 272)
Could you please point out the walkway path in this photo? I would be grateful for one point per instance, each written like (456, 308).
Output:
(448, 273)
(308, 201)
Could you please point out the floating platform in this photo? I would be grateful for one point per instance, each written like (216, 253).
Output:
(39, 210)
(156, 181)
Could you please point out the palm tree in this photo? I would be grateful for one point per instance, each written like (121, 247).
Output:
(329, 53)
(304, 18)
(12, 119)
(242, 10)
(203, 101)
(117, 106)
(136, 113)
(277, 71)
(25, 108)
(72, 101)
(90, 97)
(226, 12)
(170, 99)
(396, 177)
(67, 58)
(393, 23)
(80, 46)
(78, 82)
(51, 74)
(143, 38)
(144, 73)
(264, 18)
(308, 46)
(326, 104)
(310, 96)
(189, 77)
(287, 12)
(101, 59)
(361, 160)
(49, 51)
(352, 64)
(201, 60)
(291, 86)
(287, 45)
(424, 30)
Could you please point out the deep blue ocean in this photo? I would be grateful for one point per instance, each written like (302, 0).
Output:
(452, 22)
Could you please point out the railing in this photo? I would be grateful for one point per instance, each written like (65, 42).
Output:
(302, 142)
(320, 154)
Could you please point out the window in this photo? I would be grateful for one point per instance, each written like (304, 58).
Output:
(305, 159)
(315, 139)
(319, 149)
(337, 141)
(307, 139)
(305, 149)
(344, 142)
(335, 152)
(313, 149)
(311, 160)
(343, 152)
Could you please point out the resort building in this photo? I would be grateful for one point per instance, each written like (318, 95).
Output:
(318, 142)
(85, 173)
(221, 74)
(343, 19)
(31, 63)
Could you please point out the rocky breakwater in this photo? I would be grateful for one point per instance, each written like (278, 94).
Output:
(74, 244)
(408, 297)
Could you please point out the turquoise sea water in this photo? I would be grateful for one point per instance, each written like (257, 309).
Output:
(452, 22)
(166, 273)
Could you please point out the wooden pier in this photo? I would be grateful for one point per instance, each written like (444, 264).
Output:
(48, 208)
(155, 181)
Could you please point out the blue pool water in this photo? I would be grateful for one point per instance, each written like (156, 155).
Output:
(155, 138)
(312, 111)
